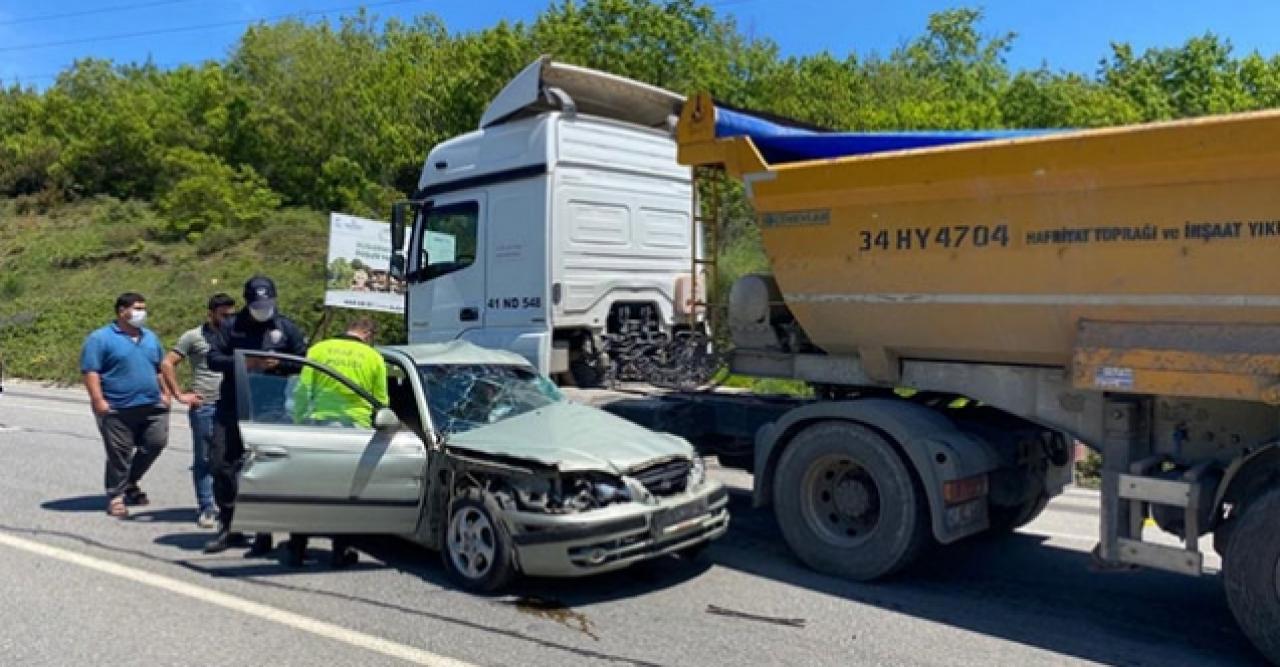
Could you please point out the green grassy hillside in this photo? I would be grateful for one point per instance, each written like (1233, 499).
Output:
(61, 269)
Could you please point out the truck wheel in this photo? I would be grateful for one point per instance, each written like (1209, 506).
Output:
(1005, 520)
(1251, 573)
(477, 549)
(847, 504)
(586, 375)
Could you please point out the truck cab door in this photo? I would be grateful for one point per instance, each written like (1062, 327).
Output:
(447, 269)
(517, 279)
(309, 471)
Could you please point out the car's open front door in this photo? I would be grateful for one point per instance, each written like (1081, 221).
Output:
(315, 462)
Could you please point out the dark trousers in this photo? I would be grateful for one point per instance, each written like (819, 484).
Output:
(133, 439)
(226, 455)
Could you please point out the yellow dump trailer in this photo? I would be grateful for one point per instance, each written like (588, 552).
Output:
(1118, 286)
(997, 251)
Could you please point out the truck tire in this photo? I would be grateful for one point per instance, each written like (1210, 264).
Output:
(1251, 573)
(1005, 520)
(477, 550)
(847, 503)
(586, 375)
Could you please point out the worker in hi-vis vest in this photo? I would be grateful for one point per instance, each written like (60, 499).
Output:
(322, 399)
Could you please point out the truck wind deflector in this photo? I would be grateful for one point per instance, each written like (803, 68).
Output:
(546, 85)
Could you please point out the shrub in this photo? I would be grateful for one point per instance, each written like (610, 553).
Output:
(204, 193)
(220, 239)
(25, 160)
(10, 287)
(112, 211)
(1089, 470)
(296, 236)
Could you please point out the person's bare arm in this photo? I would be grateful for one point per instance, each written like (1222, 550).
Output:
(166, 398)
(93, 384)
(168, 370)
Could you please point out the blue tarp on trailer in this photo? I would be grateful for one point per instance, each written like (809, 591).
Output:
(781, 144)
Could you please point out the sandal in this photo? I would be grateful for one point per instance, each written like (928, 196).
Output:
(136, 496)
(116, 508)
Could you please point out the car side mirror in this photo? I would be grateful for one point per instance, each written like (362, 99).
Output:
(385, 420)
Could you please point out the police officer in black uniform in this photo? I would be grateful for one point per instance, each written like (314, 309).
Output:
(257, 326)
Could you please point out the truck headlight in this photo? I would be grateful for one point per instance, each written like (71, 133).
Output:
(697, 472)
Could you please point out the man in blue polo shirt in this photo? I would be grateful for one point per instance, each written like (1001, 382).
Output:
(121, 367)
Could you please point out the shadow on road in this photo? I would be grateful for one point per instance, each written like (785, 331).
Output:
(98, 503)
(185, 541)
(548, 599)
(427, 565)
(94, 503)
(1016, 588)
(1019, 589)
(173, 515)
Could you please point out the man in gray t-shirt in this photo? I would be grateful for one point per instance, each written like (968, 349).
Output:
(200, 400)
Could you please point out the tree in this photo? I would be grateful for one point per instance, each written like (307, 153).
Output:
(204, 193)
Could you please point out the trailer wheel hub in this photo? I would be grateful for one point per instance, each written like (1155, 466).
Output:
(842, 500)
(852, 496)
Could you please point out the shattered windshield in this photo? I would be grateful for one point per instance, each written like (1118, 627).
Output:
(462, 397)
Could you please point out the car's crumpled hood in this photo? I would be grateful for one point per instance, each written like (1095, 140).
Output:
(573, 438)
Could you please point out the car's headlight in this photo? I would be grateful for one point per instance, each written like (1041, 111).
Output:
(611, 492)
(697, 472)
(587, 492)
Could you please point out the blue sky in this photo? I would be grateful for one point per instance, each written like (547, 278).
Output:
(1065, 34)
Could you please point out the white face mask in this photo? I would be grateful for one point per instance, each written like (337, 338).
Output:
(137, 317)
(262, 314)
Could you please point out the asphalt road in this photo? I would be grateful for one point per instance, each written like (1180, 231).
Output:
(79, 587)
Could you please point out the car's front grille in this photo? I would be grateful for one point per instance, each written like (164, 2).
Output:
(664, 479)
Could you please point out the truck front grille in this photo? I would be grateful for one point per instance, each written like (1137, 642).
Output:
(664, 479)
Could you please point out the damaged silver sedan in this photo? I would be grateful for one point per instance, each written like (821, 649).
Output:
(473, 454)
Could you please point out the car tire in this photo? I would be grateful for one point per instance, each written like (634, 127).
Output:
(476, 548)
(847, 503)
(1251, 573)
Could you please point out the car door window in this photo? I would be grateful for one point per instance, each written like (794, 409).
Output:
(404, 402)
(301, 392)
(450, 239)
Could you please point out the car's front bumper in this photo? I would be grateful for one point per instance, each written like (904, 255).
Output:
(613, 537)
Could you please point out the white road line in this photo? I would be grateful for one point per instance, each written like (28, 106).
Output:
(265, 612)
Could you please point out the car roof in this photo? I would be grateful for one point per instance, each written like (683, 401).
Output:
(457, 352)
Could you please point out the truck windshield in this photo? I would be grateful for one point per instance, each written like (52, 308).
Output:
(462, 397)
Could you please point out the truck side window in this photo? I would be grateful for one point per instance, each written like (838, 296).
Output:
(451, 238)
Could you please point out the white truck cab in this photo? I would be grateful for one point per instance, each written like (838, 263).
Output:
(563, 219)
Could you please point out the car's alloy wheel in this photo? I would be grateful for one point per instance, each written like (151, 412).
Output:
(471, 542)
(477, 550)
